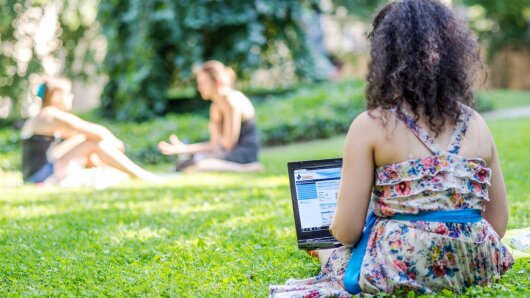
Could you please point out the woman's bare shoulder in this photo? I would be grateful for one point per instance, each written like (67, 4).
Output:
(479, 136)
(241, 103)
(368, 126)
(477, 119)
(374, 121)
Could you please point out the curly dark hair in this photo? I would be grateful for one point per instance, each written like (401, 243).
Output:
(421, 55)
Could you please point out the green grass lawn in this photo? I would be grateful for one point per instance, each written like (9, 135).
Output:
(198, 235)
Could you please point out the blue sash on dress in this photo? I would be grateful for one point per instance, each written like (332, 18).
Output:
(353, 270)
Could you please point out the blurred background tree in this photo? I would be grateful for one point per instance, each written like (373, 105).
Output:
(44, 37)
(150, 47)
(501, 24)
(504, 29)
(152, 44)
(363, 9)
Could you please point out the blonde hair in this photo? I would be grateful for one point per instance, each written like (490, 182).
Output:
(217, 71)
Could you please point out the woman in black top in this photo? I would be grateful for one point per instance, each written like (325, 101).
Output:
(55, 141)
(234, 140)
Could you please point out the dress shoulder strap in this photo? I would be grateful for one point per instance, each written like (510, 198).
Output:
(418, 131)
(459, 131)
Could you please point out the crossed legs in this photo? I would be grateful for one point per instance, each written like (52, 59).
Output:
(78, 150)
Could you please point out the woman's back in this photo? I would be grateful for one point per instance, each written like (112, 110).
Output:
(426, 161)
(431, 255)
(395, 143)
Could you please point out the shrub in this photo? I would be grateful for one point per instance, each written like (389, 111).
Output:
(152, 44)
(309, 112)
(318, 111)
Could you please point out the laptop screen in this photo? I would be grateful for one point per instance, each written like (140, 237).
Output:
(314, 190)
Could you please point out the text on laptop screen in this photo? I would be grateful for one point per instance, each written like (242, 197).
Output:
(316, 191)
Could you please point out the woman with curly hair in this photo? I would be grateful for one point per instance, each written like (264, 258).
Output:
(425, 159)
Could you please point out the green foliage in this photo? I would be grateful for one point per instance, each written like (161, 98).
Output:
(198, 235)
(319, 111)
(71, 43)
(502, 23)
(503, 98)
(10, 82)
(10, 150)
(484, 102)
(328, 109)
(153, 43)
(363, 9)
(306, 113)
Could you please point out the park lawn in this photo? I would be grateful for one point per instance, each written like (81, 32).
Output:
(198, 235)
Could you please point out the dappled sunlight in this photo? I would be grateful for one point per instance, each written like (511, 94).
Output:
(19, 212)
(38, 193)
(133, 232)
(249, 218)
(196, 242)
(228, 228)
(163, 204)
(224, 180)
(10, 179)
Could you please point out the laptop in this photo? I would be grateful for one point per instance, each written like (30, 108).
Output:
(314, 190)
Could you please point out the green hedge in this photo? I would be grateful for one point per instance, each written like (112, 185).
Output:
(319, 111)
(309, 112)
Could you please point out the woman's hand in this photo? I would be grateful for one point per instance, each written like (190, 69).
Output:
(175, 146)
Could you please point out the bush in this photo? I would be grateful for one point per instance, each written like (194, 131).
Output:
(317, 111)
(153, 44)
(484, 102)
(309, 112)
(10, 151)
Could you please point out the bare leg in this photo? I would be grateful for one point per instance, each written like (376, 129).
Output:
(323, 255)
(66, 146)
(113, 157)
(219, 165)
(108, 154)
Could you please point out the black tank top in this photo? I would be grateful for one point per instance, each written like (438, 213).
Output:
(35, 154)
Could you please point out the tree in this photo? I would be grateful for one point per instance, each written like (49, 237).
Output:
(502, 23)
(44, 37)
(362, 9)
(152, 44)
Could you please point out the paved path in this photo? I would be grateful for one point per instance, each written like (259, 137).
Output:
(510, 113)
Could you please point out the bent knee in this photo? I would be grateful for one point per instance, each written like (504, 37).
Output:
(103, 145)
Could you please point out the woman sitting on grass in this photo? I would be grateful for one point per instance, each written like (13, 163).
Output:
(234, 141)
(55, 141)
(426, 160)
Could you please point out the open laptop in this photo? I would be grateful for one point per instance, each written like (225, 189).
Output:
(314, 189)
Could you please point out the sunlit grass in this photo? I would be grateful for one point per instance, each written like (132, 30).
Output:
(196, 235)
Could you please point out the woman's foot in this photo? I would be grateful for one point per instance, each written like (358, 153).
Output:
(254, 167)
(313, 253)
(150, 177)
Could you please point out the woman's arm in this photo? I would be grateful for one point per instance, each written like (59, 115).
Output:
(231, 128)
(356, 182)
(496, 212)
(70, 123)
(215, 126)
(175, 146)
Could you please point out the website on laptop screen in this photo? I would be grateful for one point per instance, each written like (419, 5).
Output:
(316, 191)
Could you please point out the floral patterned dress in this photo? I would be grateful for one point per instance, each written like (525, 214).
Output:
(422, 256)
